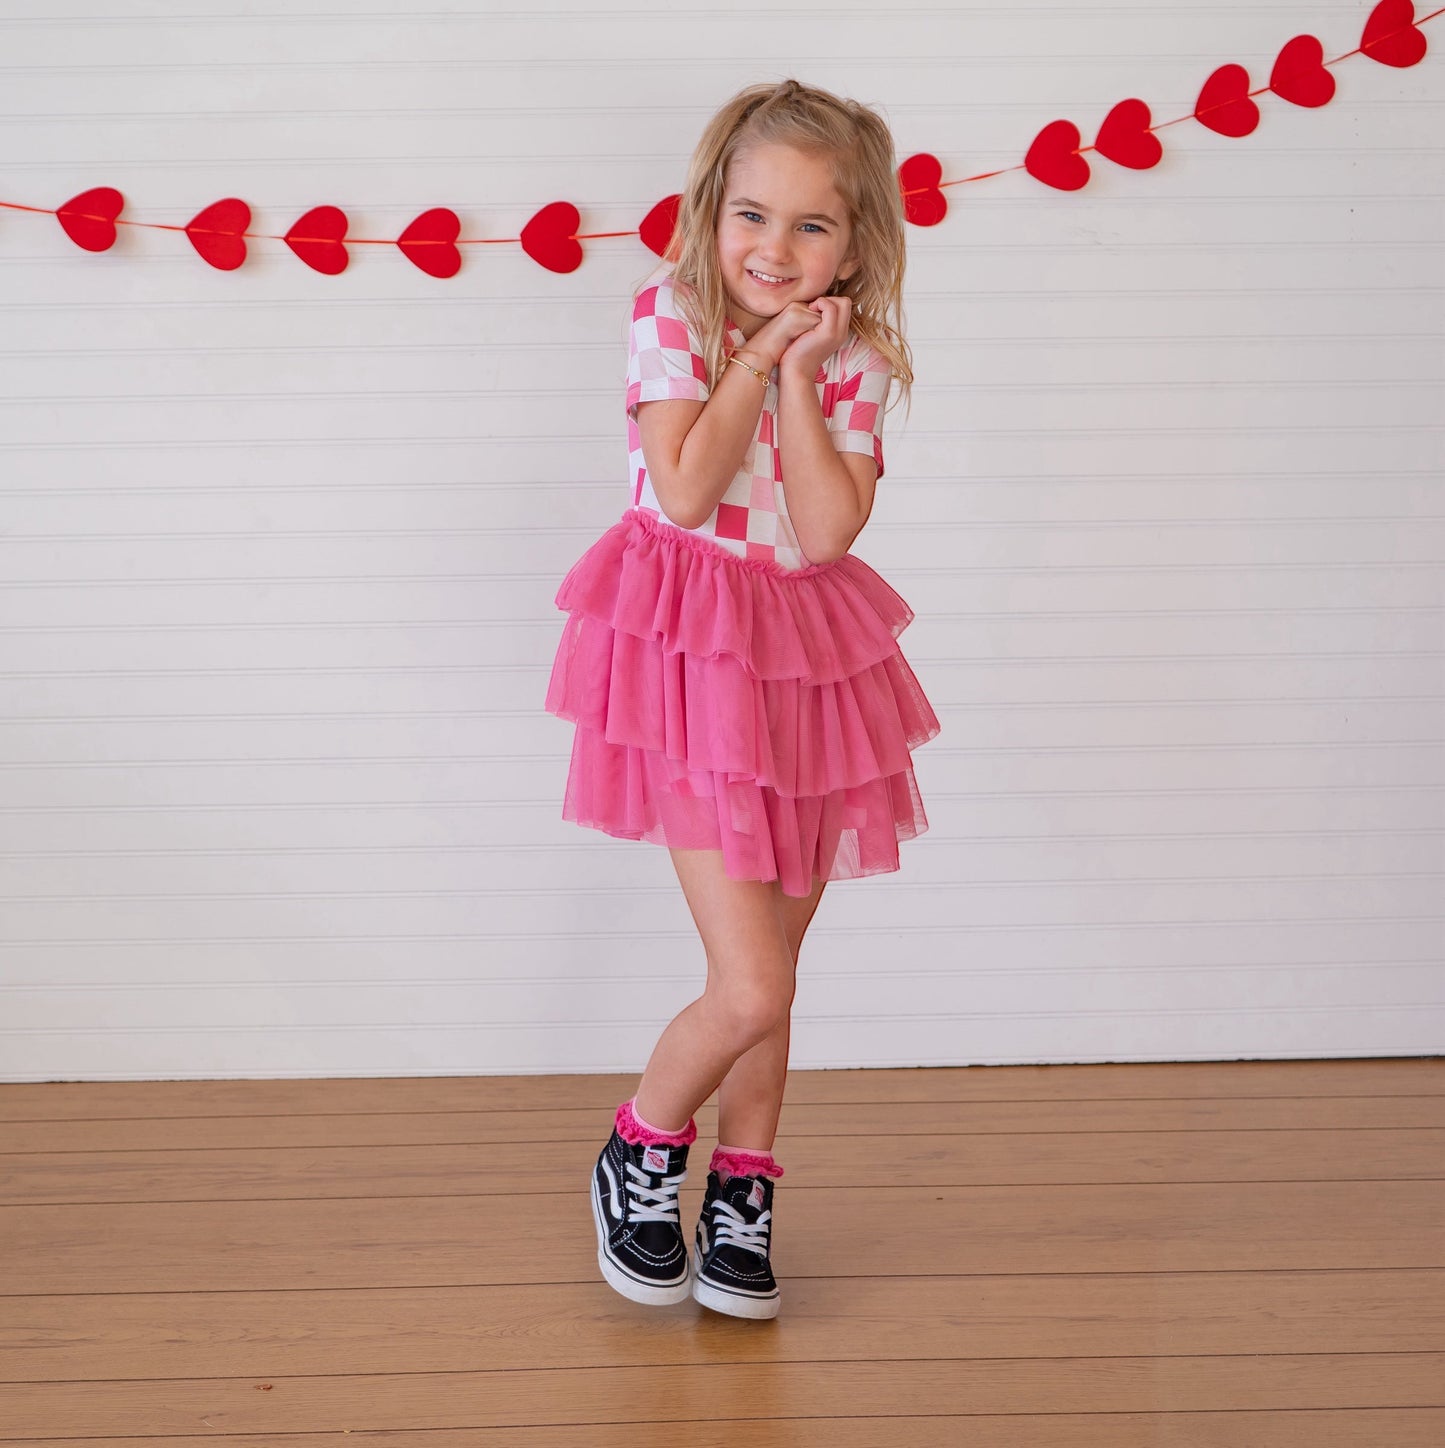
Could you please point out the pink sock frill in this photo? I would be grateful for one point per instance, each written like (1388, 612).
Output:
(731, 703)
(744, 1163)
(633, 1131)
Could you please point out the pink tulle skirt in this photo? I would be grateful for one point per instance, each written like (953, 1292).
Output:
(732, 704)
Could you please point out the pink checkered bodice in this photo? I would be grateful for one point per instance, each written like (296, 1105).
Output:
(751, 520)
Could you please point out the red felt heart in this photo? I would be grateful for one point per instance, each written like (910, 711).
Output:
(658, 225)
(218, 233)
(1053, 158)
(89, 219)
(1125, 137)
(316, 239)
(1224, 104)
(429, 242)
(1299, 75)
(918, 177)
(1390, 35)
(550, 237)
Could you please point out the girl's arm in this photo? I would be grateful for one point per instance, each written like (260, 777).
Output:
(693, 450)
(830, 493)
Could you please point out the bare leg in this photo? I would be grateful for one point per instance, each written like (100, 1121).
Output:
(748, 994)
(750, 1099)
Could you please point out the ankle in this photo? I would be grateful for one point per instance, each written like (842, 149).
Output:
(741, 1161)
(634, 1130)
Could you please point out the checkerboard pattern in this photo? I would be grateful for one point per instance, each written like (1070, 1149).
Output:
(664, 361)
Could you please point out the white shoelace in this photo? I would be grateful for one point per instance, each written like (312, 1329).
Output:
(652, 1203)
(731, 1229)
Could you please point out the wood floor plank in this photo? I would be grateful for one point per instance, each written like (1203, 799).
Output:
(1387, 1076)
(1339, 1428)
(1221, 1254)
(659, 1395)
(419, 1240)
(825, 1319)
(469, 1168)
(1008, 1118)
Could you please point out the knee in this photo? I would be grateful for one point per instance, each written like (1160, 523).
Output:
(748, 1013)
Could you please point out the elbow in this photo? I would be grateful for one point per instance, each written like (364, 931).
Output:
(839, 544)
(673, 509)
(829, 552)
(679, 516)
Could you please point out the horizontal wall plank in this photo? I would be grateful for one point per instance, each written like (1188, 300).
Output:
(581, 996)
(137, 1051)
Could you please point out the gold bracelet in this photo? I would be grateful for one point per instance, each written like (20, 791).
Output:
(761, 376)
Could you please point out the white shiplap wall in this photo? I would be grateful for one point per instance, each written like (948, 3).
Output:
(277, 793)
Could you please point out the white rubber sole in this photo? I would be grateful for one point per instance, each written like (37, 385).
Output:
(622, 1281)
(735, 1304)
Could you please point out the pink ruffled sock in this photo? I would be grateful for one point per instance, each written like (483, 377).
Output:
(633, 1129)
(739, 1161)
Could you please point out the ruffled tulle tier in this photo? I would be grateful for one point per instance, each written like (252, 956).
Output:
(729, 703)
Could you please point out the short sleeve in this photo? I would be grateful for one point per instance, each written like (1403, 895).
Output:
(855, 419)
(664, 357)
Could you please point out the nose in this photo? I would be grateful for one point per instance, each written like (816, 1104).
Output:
(774, 248)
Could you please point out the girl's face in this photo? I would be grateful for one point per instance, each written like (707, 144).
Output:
(782, 232)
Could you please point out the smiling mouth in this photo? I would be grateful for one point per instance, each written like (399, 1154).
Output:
(765, 279)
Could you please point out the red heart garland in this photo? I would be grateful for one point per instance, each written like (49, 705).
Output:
(89, 219)
(1125, 137)
(550, 237)
(659, 224)
(316, 239)
(428, 242)
(1224, 104)
(918, 177)
(1053, 158)
(1390, 35)
(1299, 75)
(218, 233)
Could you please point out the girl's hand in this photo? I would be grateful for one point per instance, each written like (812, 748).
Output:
(774, 337)
(811, 349)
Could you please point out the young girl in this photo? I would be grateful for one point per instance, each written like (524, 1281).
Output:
(731, 668)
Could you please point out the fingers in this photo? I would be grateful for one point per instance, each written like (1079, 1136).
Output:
(833, 317)
(836, 312)
(823, 322)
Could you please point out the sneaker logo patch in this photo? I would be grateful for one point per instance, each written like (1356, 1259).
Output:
(654, 1158)
(755, 1197)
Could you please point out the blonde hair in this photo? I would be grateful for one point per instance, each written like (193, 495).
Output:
(857, 143)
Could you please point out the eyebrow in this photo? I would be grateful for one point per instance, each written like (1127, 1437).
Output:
(758, 206)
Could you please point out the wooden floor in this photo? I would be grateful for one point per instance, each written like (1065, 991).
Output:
(1241, 1254)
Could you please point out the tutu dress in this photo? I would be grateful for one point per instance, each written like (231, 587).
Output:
(728, 694)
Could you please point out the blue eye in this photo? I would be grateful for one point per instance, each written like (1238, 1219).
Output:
(813, 224)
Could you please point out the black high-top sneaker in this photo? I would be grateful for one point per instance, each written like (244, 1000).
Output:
(640, 1246)
(732, 1270)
